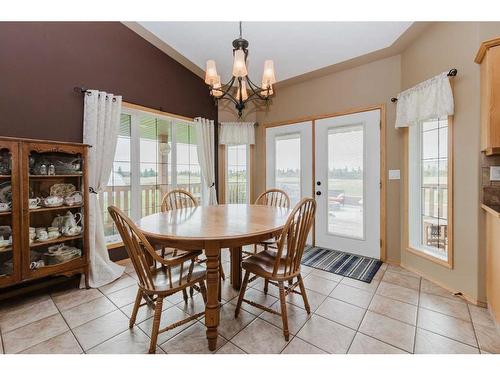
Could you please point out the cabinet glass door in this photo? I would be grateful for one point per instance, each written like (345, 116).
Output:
(54, 209)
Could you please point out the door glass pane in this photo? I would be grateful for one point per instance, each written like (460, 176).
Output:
(345, 181)
(237, 174)
(287, 173)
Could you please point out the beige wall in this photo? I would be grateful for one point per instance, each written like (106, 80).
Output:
(441, 47)
(438, 48)
(371, 84)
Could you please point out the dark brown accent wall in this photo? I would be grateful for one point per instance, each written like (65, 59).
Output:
(41, 62)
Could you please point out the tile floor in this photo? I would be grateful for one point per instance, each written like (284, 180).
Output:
(399, 312)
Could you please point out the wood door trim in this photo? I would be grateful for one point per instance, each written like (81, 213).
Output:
(383, 155)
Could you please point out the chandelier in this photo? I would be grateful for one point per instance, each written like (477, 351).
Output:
(240, 89)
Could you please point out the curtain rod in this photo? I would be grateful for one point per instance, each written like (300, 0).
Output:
(452, 73)
(84, 90)
(139, 107)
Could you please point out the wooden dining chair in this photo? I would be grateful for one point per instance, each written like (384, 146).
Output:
(158, 277)
(284, 264)
(274, 198)
(177, 199)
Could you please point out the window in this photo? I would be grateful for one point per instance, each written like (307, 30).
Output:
(237, 174)
(154, 154)
(287, 159)
(429, 189)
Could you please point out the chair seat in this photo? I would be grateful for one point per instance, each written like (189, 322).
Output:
(262, 264)
(161, 278)
(270, 242)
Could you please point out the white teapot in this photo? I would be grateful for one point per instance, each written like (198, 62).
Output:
(67, 221)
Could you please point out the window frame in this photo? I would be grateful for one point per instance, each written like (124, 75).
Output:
(448, 263)
(135, 111)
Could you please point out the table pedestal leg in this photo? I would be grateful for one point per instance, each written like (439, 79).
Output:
(236, 267)
(212, 252)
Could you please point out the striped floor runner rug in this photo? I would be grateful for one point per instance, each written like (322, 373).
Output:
(354, 266)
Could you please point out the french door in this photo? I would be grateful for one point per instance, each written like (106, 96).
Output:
(346, 177)
(347, 174)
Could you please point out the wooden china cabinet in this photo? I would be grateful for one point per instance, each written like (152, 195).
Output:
(30, 172)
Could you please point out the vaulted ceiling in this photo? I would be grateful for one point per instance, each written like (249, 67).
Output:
(296, 47)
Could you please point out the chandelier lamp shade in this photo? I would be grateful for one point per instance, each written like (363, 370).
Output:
(240, 89)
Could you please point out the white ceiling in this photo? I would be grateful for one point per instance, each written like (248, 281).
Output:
(295, 47)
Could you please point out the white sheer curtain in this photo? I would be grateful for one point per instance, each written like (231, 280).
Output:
(101, 119)
(237, 133)
(206, 156)
(428, 100)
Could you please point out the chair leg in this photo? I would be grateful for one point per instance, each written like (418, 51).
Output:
(185, 295)
(203, 291)
(284, 316)
(138, 300)
(242, 293)
(156, 325)
(304, 295)
(266, 285)
(191, 292)
(255, 248)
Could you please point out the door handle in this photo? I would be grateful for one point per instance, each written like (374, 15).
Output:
(318, 193)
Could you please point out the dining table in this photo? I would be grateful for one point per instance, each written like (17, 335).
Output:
(212, 229)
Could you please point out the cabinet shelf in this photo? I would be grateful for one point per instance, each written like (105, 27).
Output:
(5, 249)
(5, 176)
(63, 207)
(55, 241)
(5, 213)
(35, 176)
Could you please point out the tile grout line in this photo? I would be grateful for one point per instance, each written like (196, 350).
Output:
(474, 329)
(364, 315)
(2, 342)
(416, 320)
(65, 321)
(446, 337)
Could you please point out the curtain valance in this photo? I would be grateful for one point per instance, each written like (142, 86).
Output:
(428, 100)
(237, 133)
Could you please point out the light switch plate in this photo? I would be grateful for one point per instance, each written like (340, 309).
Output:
(495, 173)
(394, 174)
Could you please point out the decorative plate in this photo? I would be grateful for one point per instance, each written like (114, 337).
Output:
(62, 190)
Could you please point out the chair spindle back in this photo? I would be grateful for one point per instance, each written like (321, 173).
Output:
(178, 198)
(293, 237)
(274, 198)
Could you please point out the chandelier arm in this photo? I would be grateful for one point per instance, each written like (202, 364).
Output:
(229, 83)
(255, 95)
(228, 96)
(257, 90)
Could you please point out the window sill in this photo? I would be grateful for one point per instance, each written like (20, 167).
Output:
(445, 263)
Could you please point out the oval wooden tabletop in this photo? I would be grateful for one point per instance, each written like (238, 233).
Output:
(215, 222)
